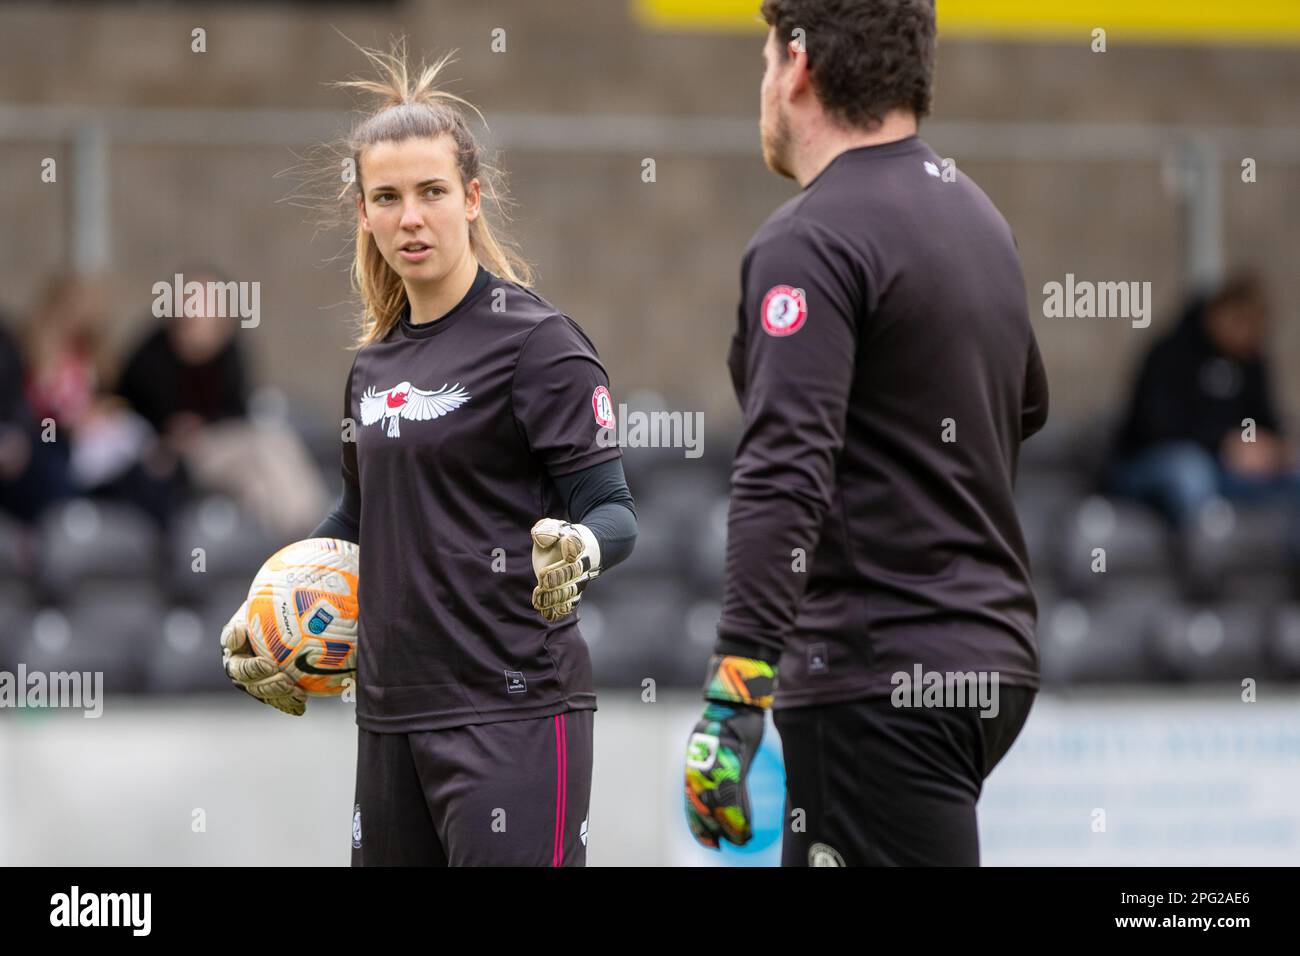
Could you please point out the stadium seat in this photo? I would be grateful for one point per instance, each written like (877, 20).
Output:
(701, 633)
(219, 601)
(1134, 540)
(660, 546)
(84, 541)
(1237, 551)
(234, 546)
(18, 549)
(1210, 642)
(114, 635)
(15, 627)
(17, 543)
(187, 659)
(1282, 641)
(708, 543)
(1042, 499)
(1102, 641)
(636, 632)
(1074, 448)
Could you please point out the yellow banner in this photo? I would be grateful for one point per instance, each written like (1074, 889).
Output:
(1169, 21)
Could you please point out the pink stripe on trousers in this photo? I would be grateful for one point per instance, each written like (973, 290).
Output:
(561, 788)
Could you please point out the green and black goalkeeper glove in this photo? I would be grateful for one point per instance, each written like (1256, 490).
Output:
(738, 693)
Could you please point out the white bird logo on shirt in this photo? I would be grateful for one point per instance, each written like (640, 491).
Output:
(404, 400)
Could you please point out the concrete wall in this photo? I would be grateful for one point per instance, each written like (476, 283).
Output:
(650, 270)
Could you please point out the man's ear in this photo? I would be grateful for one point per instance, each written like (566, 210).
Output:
(361, 212)
(797, 66)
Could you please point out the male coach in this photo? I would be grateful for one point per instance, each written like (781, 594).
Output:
(887, 373)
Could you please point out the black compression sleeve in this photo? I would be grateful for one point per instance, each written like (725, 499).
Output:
(599, 498)
(614, 525)
(345, 520)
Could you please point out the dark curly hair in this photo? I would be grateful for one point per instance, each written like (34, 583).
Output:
(866, 56)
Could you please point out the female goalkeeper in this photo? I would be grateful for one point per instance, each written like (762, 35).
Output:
(478, 409)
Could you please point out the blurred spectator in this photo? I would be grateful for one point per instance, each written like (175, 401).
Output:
(105, 449)
(33, 473)
(188, 379)
(1182, 442)
(188, 372)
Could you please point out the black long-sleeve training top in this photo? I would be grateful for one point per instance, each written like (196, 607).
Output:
(467, 430)
(887, 373)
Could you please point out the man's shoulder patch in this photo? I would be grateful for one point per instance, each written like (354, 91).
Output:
(784, 310)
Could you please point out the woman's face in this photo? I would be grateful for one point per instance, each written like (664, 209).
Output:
(416, 208)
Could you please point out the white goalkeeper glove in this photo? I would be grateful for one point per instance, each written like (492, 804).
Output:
(256, 675)
(565, 557)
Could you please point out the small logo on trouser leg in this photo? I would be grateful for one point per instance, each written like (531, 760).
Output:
(356, 827)
(583, 833)
(819, 854)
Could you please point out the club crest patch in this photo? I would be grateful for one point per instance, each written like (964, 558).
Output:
(602, 406)
(784, 311)
(822, 854)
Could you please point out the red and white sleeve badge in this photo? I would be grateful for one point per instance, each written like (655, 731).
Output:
(784, 311)
(602, 406)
